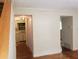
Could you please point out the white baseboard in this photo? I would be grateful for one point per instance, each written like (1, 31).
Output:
(75, 49)
(44, 53)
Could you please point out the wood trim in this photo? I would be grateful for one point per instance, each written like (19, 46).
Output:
(5, 29)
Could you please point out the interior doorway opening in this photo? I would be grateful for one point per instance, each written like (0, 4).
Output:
(66, 34)
(24, 37)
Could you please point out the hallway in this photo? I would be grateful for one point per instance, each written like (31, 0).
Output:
(23, 52)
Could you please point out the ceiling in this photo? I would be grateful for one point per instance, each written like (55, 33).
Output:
(48, 4)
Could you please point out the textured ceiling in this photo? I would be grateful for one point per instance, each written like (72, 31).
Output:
(49, 4)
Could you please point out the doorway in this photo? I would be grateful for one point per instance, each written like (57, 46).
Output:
(24, 37)
(66, 34)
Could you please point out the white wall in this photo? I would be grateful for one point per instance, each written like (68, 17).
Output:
(75, 31)
(29, 33)
(12, 42)
(46, 29)
(67, 31)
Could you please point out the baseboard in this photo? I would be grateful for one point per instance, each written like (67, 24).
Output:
(75, 49)
(45, 53)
